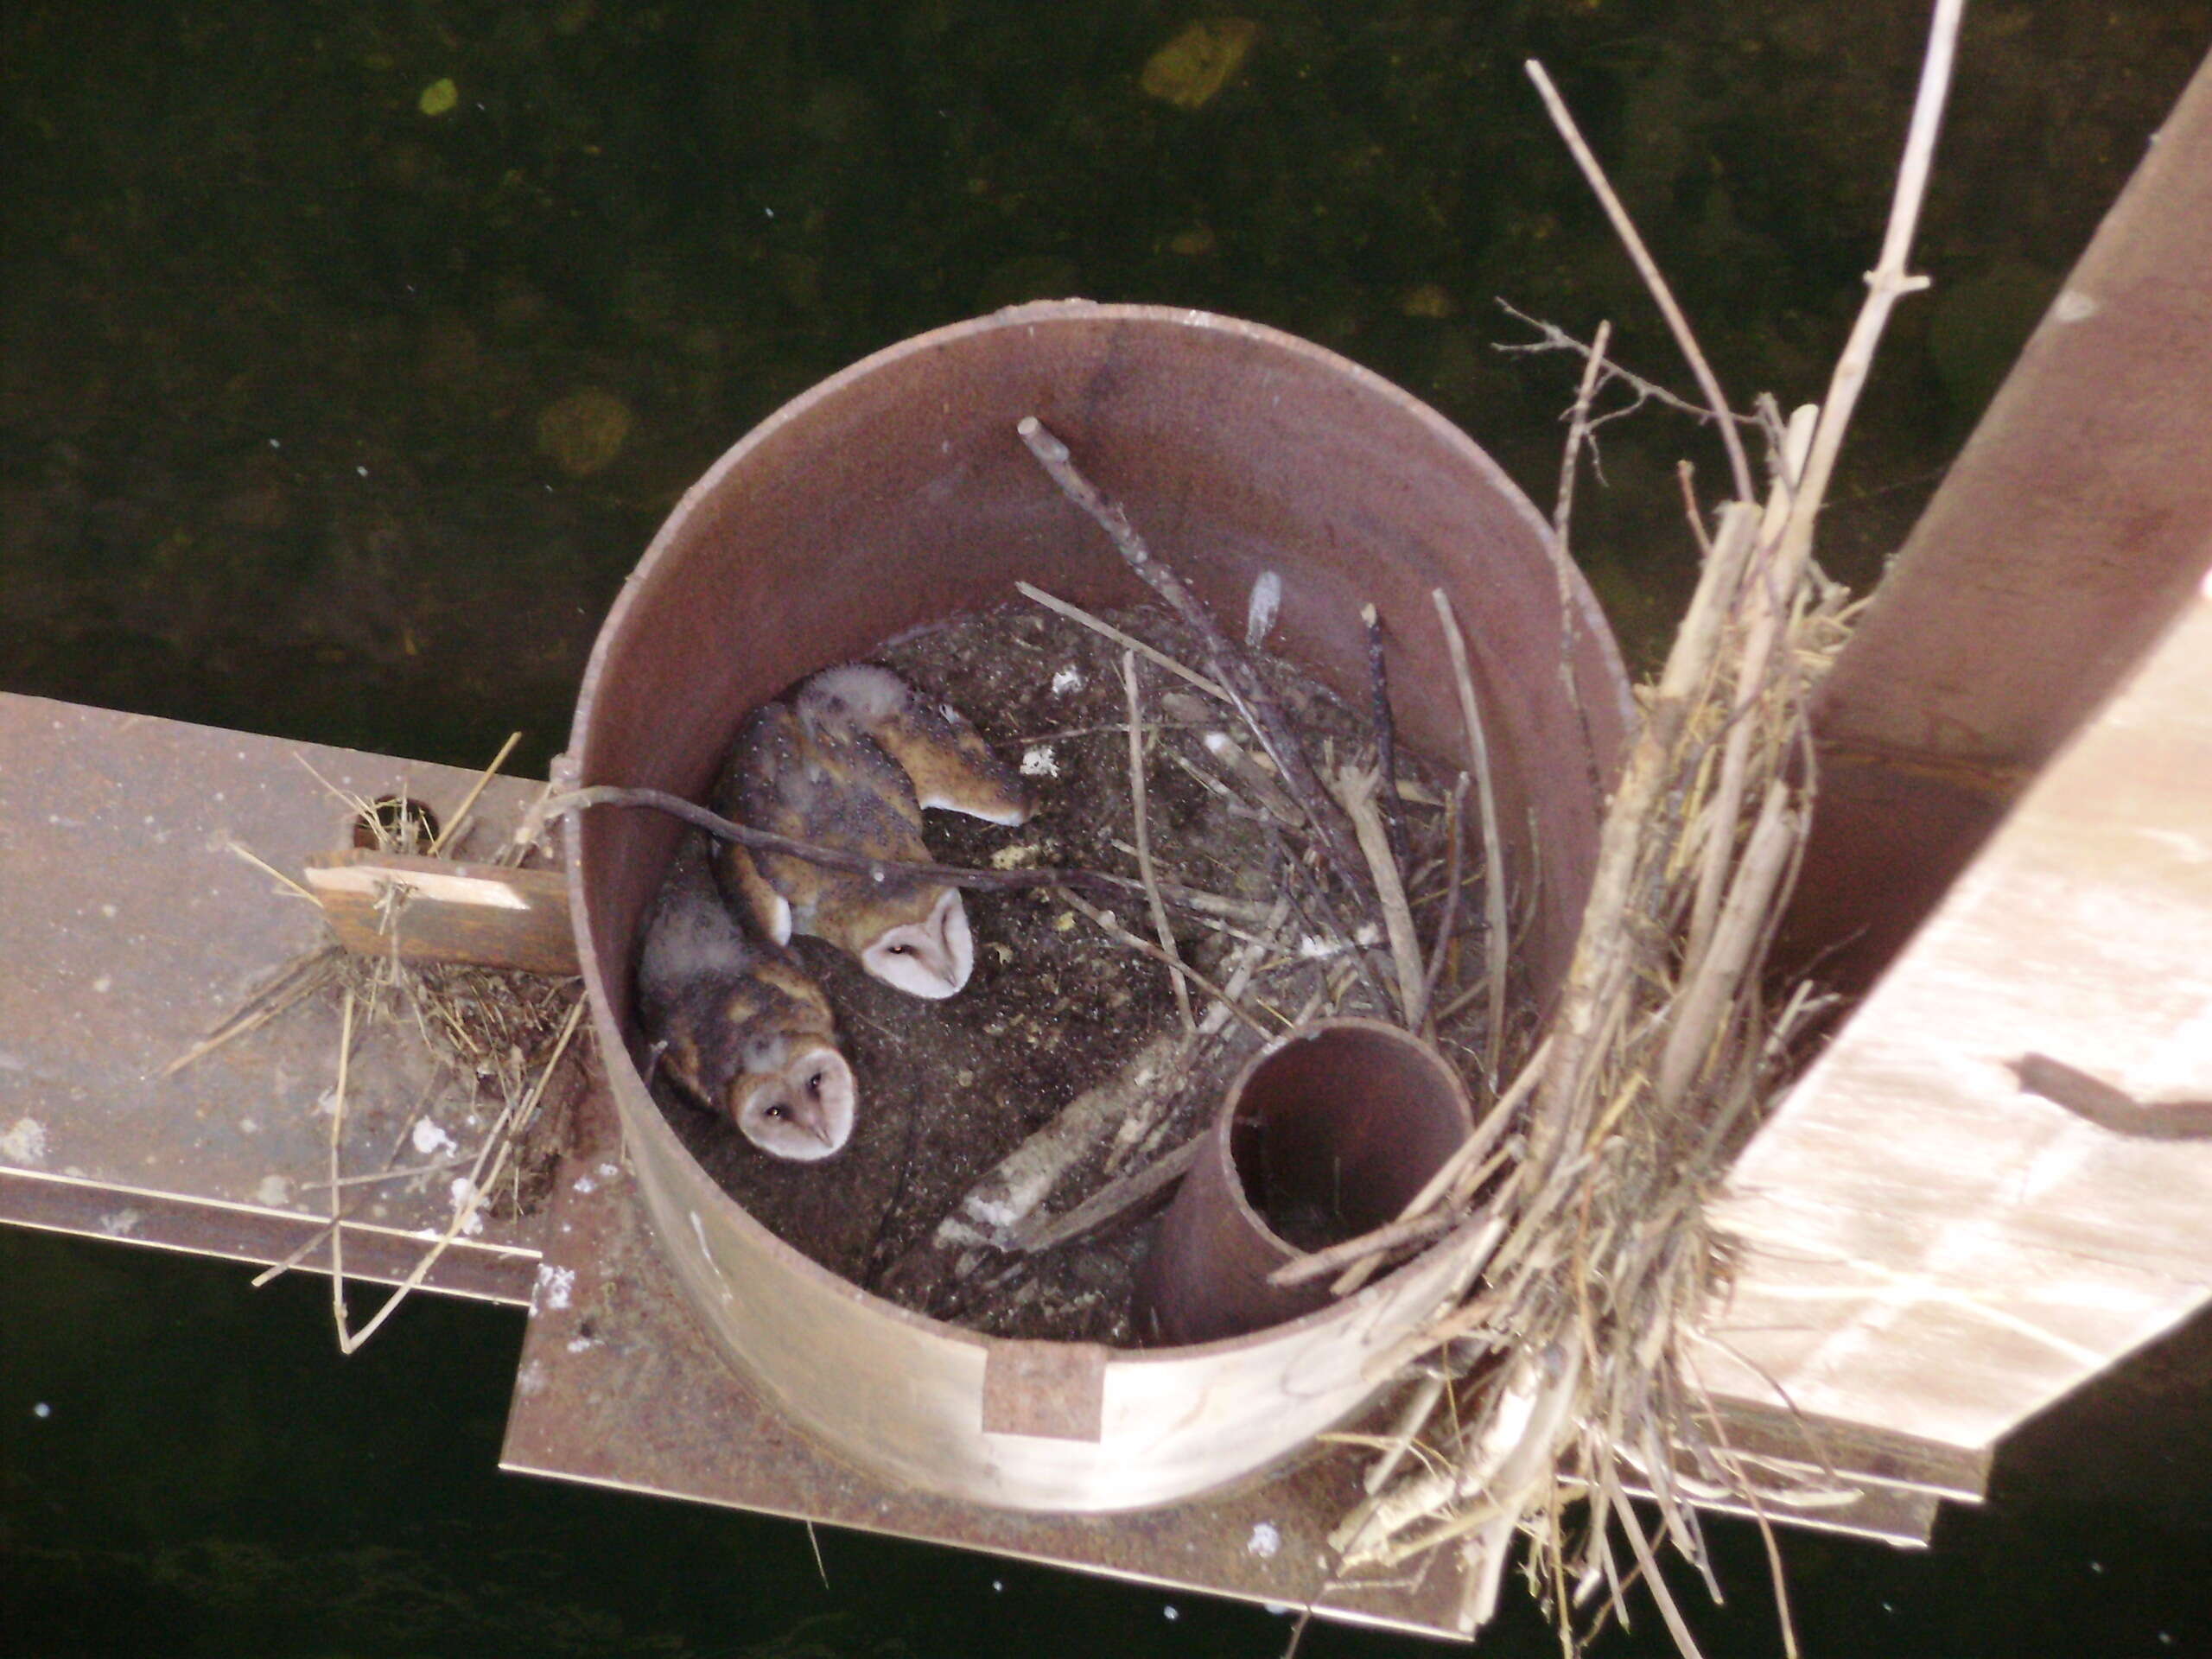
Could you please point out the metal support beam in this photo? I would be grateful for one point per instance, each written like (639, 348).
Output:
(130, 925)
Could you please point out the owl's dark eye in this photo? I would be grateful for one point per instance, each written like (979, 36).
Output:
(902, 949)
(777, 1111)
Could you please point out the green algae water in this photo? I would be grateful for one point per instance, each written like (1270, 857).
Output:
(353, 352)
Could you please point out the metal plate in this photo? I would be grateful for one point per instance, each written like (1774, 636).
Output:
(130, 927)
(620, 1386)
(2068, 534)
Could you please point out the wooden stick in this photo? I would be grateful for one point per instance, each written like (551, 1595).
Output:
(1556, 339)
(1578, 432)
(1249, 689)
(1886, 285)
(1455, 840)
(1008, 1193)
(383, 1175)
(1114, 1198)
(836, 858)
(1409, 1425)
(1464, 1157)
(1242, 964)
(1356, 792)
(1386, 736)
(1231, 757)
(284, 881)
(495, 1141)
(337, 1137)
(299, 978)
(278, 1269)
(1373, 1243)
(454, 824)
(1174, 964)
(1496, 923)
(1144, 871)
(1648, 267)
(1676, 1625)
(1699, 1003)
(1317, 908)
(1765, 608)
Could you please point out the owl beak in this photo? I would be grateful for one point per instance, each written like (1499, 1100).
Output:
(950, 923)
(830, 1099)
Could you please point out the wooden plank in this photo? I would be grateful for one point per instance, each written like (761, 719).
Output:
(2067, 537)
(438, 910)
(1934, 1252)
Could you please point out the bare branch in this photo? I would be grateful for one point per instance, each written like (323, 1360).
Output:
(1648, 267)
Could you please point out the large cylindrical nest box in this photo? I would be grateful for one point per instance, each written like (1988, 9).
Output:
(896, 494)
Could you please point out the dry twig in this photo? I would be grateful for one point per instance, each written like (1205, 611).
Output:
(1356, 793)
(1648, 267)
(1493, 850)
(1247, 689)
(1145, 872)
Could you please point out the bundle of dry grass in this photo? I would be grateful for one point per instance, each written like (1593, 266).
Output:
(499, 1038)
(1569, 1367)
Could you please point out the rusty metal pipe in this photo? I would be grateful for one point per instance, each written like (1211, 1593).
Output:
(896, 494)
(1343, 1121)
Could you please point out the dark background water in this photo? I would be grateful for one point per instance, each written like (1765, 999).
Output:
(286, 367)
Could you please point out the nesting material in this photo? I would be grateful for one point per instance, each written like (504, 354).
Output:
(1569, 1365)
(506, 1045)
(1015, 1143)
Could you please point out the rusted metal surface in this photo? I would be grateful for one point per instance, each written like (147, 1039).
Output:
(620, 1387)
(1052, 1390)
(2068, 533)
(1857, 1453)
(128, 927)
(1931, 1249)
(896, 494)
(1865, 1483)
(1347, 1118)
(447, 911)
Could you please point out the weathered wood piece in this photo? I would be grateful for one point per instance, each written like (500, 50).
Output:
(438, 910)
(2068, 534)
(1934, 1250)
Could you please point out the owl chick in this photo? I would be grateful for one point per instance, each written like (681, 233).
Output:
(850, 763)
(945, 758)
(740, 1028)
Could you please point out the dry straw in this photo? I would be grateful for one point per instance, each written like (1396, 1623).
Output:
(498, 1037)
(1563, 1376)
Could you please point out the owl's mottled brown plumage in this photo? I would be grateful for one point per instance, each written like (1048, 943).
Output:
(738, 1026)
(850, 762)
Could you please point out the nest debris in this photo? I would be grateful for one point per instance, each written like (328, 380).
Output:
(1568, 1369)
(499, 1040)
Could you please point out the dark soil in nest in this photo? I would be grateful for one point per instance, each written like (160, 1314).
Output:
(1055, 1007)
